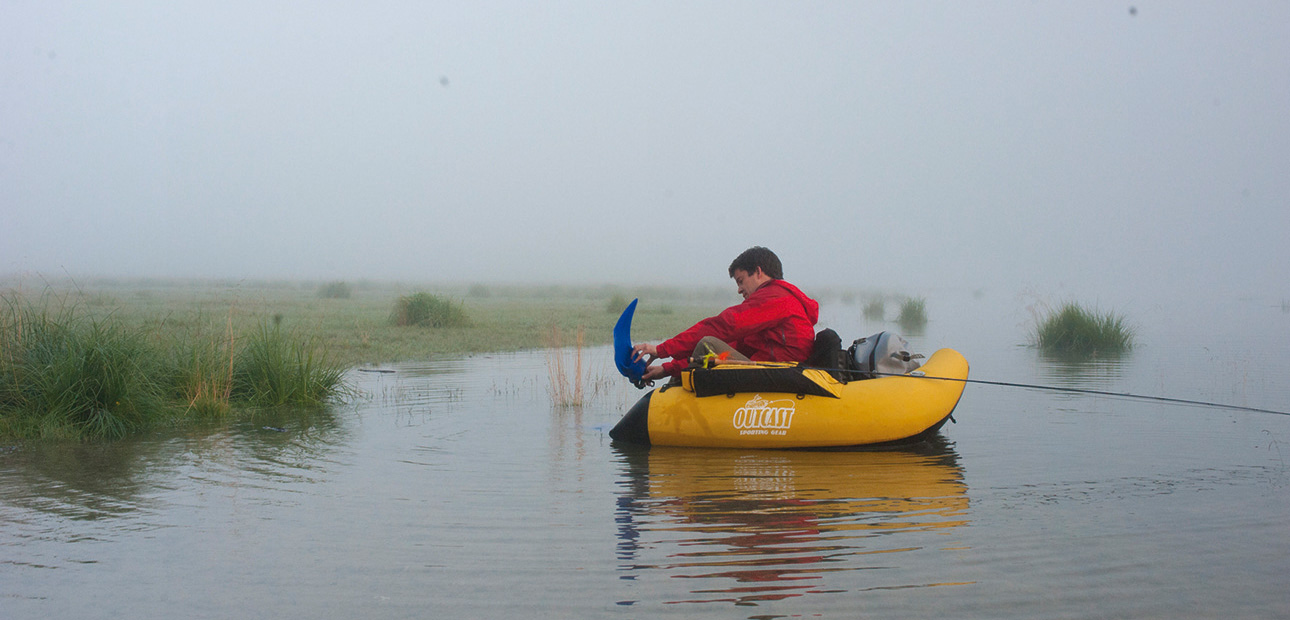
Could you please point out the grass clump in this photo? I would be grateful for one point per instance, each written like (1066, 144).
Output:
(276, 368)
(913, 314)
(203, 374)
(617, 303)
(426, 310)
(335, 290)
(875, 309)
(65, 375)
(1075, 330)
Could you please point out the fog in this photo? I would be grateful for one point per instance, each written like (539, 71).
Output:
(1115, 151)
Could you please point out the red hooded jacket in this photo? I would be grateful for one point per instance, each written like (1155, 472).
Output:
(774, 324)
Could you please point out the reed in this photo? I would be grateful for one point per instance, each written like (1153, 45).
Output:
(565, 391)
(426, 310)
(1075, 330)
(203, 368)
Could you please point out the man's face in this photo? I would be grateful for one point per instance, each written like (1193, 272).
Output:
(749, 282)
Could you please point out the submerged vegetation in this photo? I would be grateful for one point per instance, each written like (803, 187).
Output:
(1076, 331)
(66, 372)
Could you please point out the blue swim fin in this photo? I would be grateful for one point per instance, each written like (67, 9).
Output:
(633, 370)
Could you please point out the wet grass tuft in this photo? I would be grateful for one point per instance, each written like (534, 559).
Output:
(426, 310)
(276, 368)
(875, 310)
(64, 375)
(913, 314)
(1074, 330)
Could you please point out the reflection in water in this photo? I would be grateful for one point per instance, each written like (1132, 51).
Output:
(1097, 373)
(762, 526)
(125, 483)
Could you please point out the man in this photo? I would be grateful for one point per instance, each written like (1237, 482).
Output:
(775, 322)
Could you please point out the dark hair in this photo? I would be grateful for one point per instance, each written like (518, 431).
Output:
(755, 257)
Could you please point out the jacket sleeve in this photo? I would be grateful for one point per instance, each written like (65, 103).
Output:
(682, 345)
(733, 324)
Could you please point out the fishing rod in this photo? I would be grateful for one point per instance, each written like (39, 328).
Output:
(1032, 386)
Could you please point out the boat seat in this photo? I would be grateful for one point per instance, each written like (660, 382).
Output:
(828, 355)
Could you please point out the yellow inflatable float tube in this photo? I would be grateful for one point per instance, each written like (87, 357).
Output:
(767, 405)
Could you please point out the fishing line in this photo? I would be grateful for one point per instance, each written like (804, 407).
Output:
(1163, 399)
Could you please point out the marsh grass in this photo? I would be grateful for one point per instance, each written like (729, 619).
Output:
(66, 372)
(1074, 330)
(617, 303)
(276, 367)
(66, 375)
(875, 310)
(565, 390)
(335, 290)
(359, 331)
(913, 314)
(426, 310)
(203, 373)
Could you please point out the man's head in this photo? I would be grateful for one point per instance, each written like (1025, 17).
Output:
(755, 267)
(758, 257)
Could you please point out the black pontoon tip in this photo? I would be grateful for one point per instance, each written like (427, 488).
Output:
(634, 427)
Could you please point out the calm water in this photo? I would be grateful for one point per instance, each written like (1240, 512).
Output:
(455, 489)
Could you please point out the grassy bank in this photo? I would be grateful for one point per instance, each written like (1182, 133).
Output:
(358, 329)
(68, 372)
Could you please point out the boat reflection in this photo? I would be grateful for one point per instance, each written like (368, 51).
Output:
(767, 525)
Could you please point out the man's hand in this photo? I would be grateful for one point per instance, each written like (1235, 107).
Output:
(653, 372)
(642, 350)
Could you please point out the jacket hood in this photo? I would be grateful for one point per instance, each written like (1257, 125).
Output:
(811, 306)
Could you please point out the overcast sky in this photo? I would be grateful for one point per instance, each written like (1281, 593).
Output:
(1084, 148)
